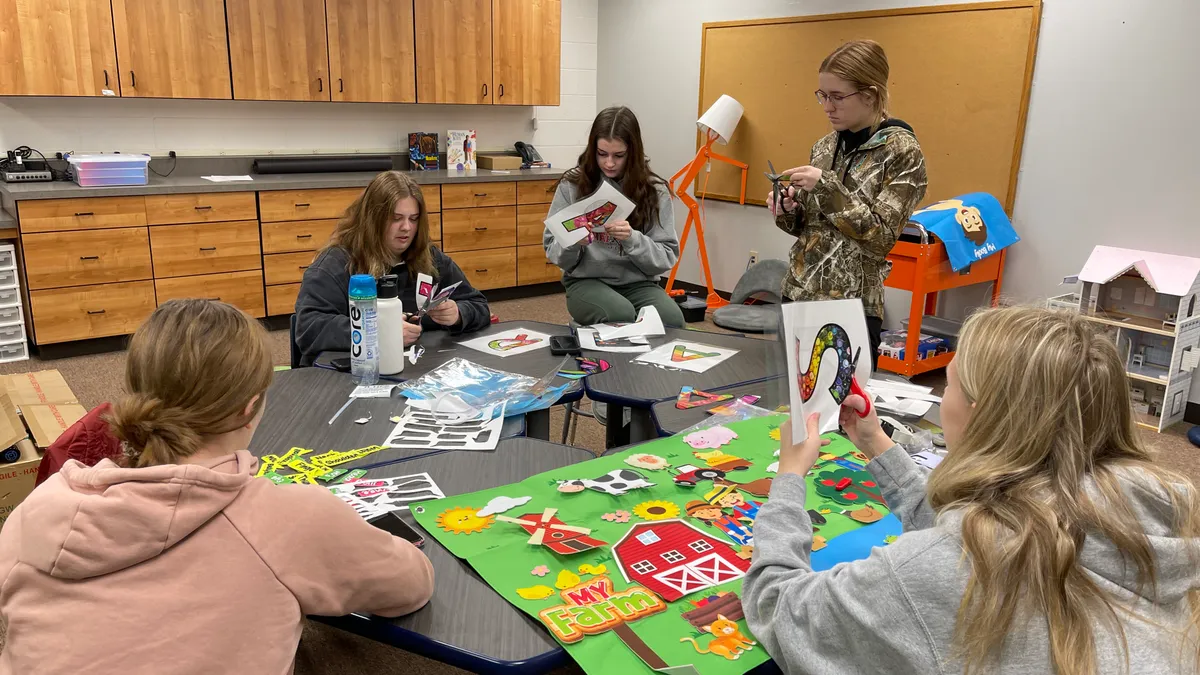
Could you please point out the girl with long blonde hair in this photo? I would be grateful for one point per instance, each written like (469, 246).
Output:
(181, 560)
(1047, 541)
(384, 231)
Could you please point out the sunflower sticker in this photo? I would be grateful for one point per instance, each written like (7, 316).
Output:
(656, 509)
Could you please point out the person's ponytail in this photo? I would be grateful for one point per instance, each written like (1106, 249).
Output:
(152, 432)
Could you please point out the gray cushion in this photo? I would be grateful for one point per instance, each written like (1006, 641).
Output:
(765, 277)
(748, 318)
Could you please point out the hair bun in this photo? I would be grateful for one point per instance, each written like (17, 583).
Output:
(154, 432)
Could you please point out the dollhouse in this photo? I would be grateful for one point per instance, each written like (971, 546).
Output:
(674, 558)
(1148, 304)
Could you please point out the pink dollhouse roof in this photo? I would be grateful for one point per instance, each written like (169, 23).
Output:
(1170, 274)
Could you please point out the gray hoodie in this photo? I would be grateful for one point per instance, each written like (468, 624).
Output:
(643, 257)
(895, 611)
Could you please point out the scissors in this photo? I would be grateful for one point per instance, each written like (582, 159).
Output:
(777, 180)
(856, 388)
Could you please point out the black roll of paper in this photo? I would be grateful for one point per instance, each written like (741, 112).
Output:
(323, 164)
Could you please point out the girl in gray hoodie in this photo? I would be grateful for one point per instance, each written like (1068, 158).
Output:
(1047, 541)
(613, 274)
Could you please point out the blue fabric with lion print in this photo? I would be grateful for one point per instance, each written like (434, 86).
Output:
(972, 227)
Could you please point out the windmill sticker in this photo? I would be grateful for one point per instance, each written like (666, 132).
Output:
(547, 530)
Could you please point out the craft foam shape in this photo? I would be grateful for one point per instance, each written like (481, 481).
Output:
(728, 640)
(538, 592)
(594, 570)
(682, 353)
(713, 437)
(656, 509)
(586, 367)
(593, 607)
(566, 579)
(540, 571)
(722, 460)
(861, 489)
(759, 488)
(865, 514)
(502, 504)
(647, 461)
(698, 561)
(616, 482)
(463, 520)
(694, 398)
(547, 530)
(725, 603)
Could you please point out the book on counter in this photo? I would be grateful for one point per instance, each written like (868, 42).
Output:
(423, 151)
(460, 149)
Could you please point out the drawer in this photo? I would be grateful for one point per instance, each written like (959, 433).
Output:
(433, 197)
(208, 207)
(301, 235)
(282, 299)
(8, 257)
(286, 268)
(470, 195)
(435, 226)
(243, 290)
(66, 314)
(13, 333)
(278, 205)
(531, 223)
(536, 191)
(205, 248)
(489, 269)
(60, 259)
(11, 315)
(10, 298)
(17, 351)
(8, 278)
(533, 268)
(473, 229)
(89, 213)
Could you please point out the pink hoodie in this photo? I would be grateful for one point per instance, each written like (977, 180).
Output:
(188, 569)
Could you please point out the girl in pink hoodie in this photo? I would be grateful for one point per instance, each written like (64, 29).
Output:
(182, 561)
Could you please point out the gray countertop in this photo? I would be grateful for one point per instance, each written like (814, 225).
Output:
(11, 192)
(6, 221)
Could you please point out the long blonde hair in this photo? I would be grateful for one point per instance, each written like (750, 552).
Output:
(864, 64)
(191, 371)
(1052, 413)
(362, 230)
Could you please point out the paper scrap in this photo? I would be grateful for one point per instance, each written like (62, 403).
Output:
(1191, 358)
(576, 222)
(647, 324)
(227, 179)
(377, 496)
(588, 340)
(372, 391)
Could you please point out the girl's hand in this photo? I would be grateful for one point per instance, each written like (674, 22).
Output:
(864, 432)
(445, 314)
(619, 230)
(799, 459)
(789, 204)
(412, 330)
(804, 177)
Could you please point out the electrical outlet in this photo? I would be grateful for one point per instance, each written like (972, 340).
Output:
(753, 258)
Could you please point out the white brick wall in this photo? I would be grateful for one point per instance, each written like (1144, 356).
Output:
(262, 127)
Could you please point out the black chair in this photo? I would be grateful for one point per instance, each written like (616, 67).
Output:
(292, 346)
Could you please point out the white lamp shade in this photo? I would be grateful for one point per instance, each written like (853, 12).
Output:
(722, 118)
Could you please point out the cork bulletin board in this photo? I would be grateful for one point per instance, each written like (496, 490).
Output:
(960, 75)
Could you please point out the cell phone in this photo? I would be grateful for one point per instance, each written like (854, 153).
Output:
(395, 525)
(341, 365)
(561, 345)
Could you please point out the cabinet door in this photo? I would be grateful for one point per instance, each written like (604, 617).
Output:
(57, 48)
(277, 50)
(172, 48)
(526, 37)
(454, 51)
(371, 51)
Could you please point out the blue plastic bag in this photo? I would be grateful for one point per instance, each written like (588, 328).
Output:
(972, 227)
(480, 387)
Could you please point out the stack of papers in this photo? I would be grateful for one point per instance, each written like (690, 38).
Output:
(902, 398)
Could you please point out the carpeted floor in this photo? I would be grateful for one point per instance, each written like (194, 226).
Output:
(97, 378)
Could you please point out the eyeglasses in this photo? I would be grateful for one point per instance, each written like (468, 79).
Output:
(836, 99)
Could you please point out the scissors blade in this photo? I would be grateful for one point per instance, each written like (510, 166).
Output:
(772, 168)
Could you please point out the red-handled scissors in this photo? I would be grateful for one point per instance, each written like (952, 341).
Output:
(856, 388)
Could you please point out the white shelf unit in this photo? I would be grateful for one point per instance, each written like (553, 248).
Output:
(14, 343)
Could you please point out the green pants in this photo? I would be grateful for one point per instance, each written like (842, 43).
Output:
(591, 301)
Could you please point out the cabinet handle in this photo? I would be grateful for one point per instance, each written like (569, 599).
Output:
(340, 88)
(203, 208)
(320, 84)
(303, 267)
(208, 248)
(481, 229)
(132, 80)
(106, 78)
(485, 90)
(84, 213)
(89, 257)
(216, 299)
(96, 311)
(304, 236)
(302, 206)
(481, 271)
(502, 90)
(480, 194)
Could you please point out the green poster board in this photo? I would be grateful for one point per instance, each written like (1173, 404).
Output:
(537, 579)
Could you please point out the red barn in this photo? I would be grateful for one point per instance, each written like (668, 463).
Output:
(674, 558)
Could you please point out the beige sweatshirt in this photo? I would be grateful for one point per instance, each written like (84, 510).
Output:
(188, 569)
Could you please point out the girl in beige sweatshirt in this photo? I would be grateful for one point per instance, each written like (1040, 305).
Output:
(182, 562)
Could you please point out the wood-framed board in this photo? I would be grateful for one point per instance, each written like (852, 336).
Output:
(960, 75)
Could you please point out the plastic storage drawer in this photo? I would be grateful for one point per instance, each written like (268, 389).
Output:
(16, 351)
(8, 278)
(12, 333)
(10, 297)
(8, 257)
(11, 315)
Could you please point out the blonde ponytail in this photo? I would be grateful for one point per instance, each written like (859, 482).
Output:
(191, 372)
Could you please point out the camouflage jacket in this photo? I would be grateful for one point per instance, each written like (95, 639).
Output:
(846, 226)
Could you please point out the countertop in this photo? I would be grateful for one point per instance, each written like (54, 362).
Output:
(12, 192)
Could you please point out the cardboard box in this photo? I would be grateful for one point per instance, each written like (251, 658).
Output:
(44, 386)
(47, 422)
(16, 480)
(499, 162)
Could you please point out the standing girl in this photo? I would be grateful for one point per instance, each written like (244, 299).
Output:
(612, 275)
(863, 182)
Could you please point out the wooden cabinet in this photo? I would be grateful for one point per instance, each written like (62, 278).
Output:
(305, 235)
(281, 299)
(172, 48)
(243, 290)
(454, 51)
(61, 259)
(526, 46)
(211, 207)
(57, 48)
(471, 195)
(87, 213)
(536, 191)
(534, 268)
(280, 205)
(277, 50)
(533, 199)
(474, 229)
(205, 248)
(286, 268)
(295, 225)
(495, 268)
(371, 51)
(84, 312)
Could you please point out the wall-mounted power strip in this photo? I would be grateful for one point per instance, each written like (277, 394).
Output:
(25, 176)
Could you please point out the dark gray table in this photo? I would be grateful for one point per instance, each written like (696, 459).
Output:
(638, 386)
(441, 346)
(300, 403)
(467, 624)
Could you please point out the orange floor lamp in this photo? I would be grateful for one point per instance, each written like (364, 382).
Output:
(717, 125)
